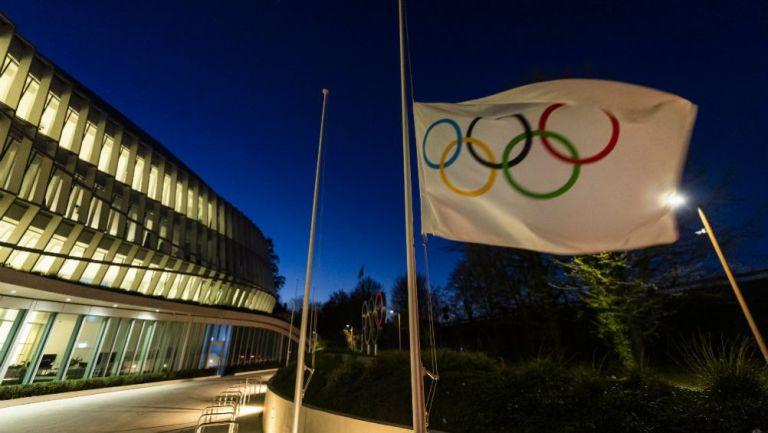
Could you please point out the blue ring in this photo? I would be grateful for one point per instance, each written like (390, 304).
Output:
(456, 152)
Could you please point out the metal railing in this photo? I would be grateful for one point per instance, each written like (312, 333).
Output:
(226, 407)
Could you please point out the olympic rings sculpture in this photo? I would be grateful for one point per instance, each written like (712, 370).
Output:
(373, 314)
(451, 153)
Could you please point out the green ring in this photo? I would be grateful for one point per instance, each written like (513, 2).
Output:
(541, 195)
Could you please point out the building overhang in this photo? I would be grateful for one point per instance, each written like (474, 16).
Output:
(22, 290)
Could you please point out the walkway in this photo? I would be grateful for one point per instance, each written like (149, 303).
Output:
(172, 408)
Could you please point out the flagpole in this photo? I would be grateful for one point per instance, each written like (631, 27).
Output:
(290, 330)
(736, 290)
(300, 366)
(417, 370)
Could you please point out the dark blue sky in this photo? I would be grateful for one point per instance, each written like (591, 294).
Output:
(233, 89)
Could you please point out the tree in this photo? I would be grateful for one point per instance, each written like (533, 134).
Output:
(277, 279)
(626, 308)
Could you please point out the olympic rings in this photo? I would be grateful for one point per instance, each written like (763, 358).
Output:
(374, 312)
(543, 195)
(594, 158)
(506, 164)
(458, 140)
(519, 158)
(491, 179)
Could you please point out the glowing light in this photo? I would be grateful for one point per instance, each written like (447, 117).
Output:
(68, 300)
(703, 231)
(114, 305)
(82, 345)
(13, 292)
(674, 199)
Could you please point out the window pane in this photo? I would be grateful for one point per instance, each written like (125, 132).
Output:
(166, 200)
(7, 317)
(29, 239)
(84, 347)
(93, 268)
(55, 346)
(70, 265)
(138, 173)
(31, 87)
(152, 187)
(30, 335)
(44, 263)
(68, 133)
(31, 178)
(106, 153)
(122, 164)
(49, 113)
(86, 148)
(8, 162)
(7, 74)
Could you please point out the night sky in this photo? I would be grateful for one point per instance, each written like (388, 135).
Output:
(233, 89)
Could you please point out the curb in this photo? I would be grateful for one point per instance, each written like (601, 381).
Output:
(94, 391)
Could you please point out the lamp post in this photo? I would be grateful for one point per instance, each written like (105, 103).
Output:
(399, 334)
(676, 200)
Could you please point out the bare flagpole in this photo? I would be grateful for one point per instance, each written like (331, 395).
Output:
(417, 370)
(298, 394)
(734, 286)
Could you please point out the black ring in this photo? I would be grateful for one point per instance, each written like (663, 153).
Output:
(512, 163)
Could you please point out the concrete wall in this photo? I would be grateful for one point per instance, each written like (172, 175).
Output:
(278, 418)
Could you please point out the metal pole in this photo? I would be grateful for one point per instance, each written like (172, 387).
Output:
(297, 395)
(736, 290)
(417, 370)
(290, 330)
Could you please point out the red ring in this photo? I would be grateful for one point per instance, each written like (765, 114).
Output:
(378, 307)
(594, 158)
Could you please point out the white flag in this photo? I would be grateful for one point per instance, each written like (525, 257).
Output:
(564, 167)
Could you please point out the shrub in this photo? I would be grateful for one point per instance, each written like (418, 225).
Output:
(8, 392)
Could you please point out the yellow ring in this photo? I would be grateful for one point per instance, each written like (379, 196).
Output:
(491, 179)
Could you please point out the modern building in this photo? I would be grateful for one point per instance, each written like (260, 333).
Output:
(117, 259)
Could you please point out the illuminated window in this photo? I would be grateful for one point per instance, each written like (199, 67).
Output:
(93, 268)
(53, 192)
(166, 198)
(49, 113)
(122, 164)
(148, 275)
(152, 184)
(7, 74)
(106, 153)
(31, 178)
(138, 174)
(69, 266)
(75, 203)
(28, 96)
(179, 197)
(8, 162)
(86, 148)
(111, 275)
(44, 263)
(94, 213)
(68, 133)
(200, 208)
(29, 239)
(130, 276)
(21, 354)
(190, 203)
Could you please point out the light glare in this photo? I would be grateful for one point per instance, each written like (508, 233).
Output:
(674, 200)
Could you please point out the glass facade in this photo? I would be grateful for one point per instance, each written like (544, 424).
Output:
(37, 346)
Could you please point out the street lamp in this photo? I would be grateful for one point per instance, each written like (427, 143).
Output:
(676, 200)
(399, 336)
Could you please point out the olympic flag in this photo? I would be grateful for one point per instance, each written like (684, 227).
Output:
(564, 167)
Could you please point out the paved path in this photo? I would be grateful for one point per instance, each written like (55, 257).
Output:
(171, 408)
